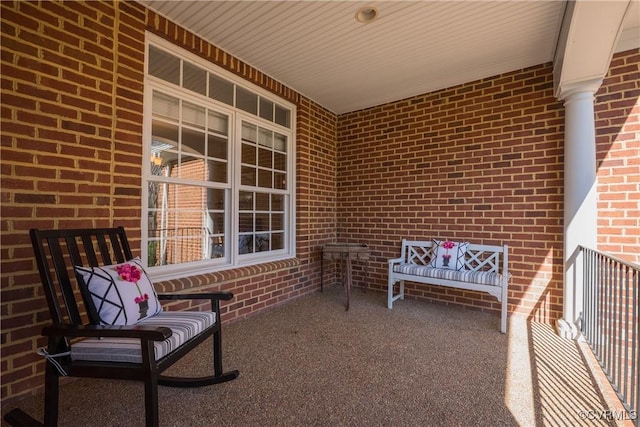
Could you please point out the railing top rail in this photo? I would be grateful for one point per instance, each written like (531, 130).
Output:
(616, 259)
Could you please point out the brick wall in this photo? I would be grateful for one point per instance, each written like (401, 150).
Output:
(480, 162)
(617, 112)
(72, 91)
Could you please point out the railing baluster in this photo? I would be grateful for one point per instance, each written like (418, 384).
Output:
(614, 318)
(625, 330)
(609, 322)
(635, 351)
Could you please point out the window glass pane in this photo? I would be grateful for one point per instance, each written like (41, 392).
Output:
(262, 242)
(156, 164)
(193, 141)
(245, 223)
(153, 252)
(216, 171)
(249, 132)
(282, 116)
(266, 109)
(277, 222)
(264, 158)
(279, 161)
(190, 168)
(216, 226)
(165, 106)
(246, 100)
(280, 142)
(194, 78)
(164, 65)
(265, 137)
(217, 247)
(246, 201)
(249, 154)
(262, 201)
(164, 164)
(164, 136)
(279, 181)
(189, 246)
(264, 178)
(248, 176)
(277, 203)
(189, 197)
(220, 89)
(262, 222)
(245, 244)
(215, 200)
(218, 123)
(156, 202)
(277, 241)
(193, 115)
(189, 243)
(161, 220)
(217, 147)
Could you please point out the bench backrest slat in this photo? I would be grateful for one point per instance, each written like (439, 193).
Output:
(477, 258)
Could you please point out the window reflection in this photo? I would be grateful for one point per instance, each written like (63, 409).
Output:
(185, 223)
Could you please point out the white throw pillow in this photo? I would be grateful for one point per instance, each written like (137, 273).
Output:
(121, 293)
(448, 254)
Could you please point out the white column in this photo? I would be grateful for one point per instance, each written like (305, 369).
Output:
(580, 196)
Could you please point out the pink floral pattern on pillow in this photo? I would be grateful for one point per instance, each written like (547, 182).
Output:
(448, 254)
(122, 293)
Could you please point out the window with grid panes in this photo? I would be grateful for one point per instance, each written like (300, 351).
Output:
(218, 167)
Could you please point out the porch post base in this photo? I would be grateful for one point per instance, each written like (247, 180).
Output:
(567, 329)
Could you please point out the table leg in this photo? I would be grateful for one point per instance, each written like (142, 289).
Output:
(348, 282)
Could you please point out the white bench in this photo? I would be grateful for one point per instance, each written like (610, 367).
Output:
(480, 269)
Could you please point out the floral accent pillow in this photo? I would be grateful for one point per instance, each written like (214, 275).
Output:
(122, 293)
(449, 254)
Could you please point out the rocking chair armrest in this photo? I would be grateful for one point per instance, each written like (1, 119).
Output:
(222, 295)
(154, 333)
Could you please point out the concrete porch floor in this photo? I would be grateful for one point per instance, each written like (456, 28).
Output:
(310, 362)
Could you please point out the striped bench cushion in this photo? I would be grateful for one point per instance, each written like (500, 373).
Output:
(467, 276)
(184, 325)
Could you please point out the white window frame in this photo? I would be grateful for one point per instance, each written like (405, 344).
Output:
(232, 259)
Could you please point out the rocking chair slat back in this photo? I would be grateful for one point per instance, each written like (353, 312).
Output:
(57, 251)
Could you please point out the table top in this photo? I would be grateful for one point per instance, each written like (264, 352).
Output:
(344, 250)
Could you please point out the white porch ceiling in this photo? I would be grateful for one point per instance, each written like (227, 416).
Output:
(319, 49)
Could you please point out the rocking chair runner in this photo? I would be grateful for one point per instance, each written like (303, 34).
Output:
(81, 345)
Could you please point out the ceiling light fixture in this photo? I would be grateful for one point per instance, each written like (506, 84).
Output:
(367, 14)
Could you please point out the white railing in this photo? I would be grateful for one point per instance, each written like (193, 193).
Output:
(609, 322)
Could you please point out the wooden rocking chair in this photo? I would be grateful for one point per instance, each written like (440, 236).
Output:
(80, 344)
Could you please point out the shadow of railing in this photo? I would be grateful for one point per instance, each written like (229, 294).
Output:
(564, 389)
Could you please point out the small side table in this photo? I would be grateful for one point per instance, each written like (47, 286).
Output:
(344, 252)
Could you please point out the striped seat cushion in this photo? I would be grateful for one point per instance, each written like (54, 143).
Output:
(184, 325)
(468, 276)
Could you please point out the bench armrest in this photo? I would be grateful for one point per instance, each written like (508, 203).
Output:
(154, 333)
(395, 260)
